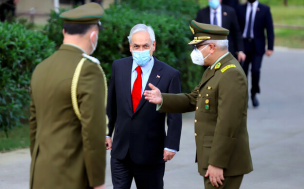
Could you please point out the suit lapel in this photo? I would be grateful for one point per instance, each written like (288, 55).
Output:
(208, 16)
(256, 16)
(127, 81)
(223, 18)
(209, 75)
(156, 71)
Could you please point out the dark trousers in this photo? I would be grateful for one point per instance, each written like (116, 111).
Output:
(255, 60)
(145, 176)
(229, 183)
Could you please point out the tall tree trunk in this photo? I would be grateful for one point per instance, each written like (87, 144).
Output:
(285, 3)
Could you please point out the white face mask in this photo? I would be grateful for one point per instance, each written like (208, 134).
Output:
(92, 43)
(197, 57)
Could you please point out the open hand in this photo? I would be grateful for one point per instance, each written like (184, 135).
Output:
(154, 95)
(216, 175)
(168, 155)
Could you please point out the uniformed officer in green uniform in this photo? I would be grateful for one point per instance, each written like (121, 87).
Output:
(220, 101)
(68, 109)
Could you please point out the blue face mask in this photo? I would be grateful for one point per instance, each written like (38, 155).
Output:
(141, 57)
(214, 4)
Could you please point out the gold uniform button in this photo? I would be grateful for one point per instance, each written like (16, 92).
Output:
(195, 121)
(196, 108)
(207, 95)
(195, 135)
(207, 101)
(199, 95)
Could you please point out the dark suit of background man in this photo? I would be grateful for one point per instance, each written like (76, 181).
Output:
(140, 145)
(231, 3)
(7, 9)
(254, 18)
(226, 18)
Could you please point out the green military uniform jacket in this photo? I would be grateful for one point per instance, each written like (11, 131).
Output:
(220, 102)
(67, 153)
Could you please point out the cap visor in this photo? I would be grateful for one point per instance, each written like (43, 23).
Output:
(194, 42)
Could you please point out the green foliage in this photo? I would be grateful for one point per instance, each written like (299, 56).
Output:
(18, 138)
(171, 30)
(53, 29)
(281, 2)
(20, 51)
(176, 8)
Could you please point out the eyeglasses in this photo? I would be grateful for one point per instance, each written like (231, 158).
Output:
(198, 46)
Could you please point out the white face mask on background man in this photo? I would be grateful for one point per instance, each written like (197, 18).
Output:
(197, 56)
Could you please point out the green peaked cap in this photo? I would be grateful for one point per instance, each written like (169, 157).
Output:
(203, 32)
(89, 13)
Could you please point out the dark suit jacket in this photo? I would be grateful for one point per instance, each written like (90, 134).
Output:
(229, 21)
(262, 21)
(142, 133)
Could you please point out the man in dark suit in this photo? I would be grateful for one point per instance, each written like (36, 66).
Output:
(231, 3)
(140, 146)
(254, 18)
(224, 16)
(7, 9)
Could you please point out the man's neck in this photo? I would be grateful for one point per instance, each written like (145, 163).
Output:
(77, 41)
(217, 56)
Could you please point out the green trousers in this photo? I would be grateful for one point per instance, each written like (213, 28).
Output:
(229, 183)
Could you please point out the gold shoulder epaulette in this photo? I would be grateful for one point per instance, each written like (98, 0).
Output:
(228, 67)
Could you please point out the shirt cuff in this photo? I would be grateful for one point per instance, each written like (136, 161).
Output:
(108, 136)
(158, 106)
(171, 150)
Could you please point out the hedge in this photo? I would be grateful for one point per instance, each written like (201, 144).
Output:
(20, 51)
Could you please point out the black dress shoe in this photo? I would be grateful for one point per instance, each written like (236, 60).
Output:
(255, 101)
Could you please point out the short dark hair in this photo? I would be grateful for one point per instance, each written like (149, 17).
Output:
(77, 29)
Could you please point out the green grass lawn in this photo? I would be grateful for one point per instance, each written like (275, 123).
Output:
(18, 138)
(291, 15)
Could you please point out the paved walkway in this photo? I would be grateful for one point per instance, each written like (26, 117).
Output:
(276, 131)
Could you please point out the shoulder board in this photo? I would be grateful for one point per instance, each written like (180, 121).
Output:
(91, 58)
(228, 67)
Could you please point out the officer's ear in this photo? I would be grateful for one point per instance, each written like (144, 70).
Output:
(212, 48)
(63, 31)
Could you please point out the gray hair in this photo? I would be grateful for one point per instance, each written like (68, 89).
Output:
(139, 28)
(221, 44)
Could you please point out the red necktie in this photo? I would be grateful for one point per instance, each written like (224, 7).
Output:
(136, 93)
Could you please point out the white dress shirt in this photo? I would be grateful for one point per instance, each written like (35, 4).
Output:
(145, 74)
(254, 6)
(218, 15)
